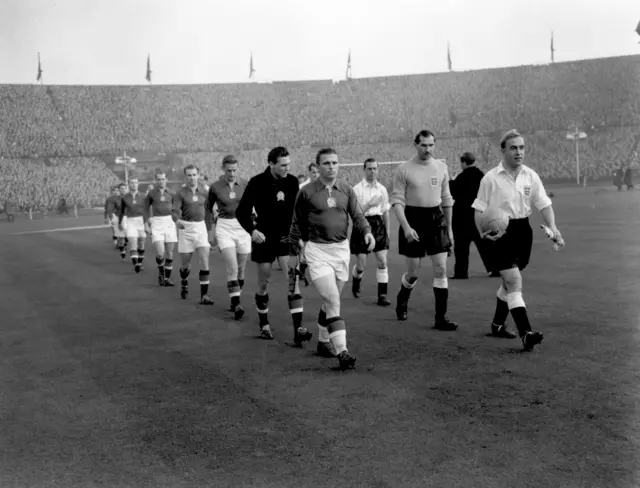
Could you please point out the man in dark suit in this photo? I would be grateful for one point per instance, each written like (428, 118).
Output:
(464, 190)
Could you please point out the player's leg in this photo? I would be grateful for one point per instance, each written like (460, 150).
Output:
(185, 270)
(461, 247)
(132, 238)
(170, 236)
(242, 258)
(441, 292)
(294, 299)
(120, 235)
(382, 277)
(141, 241)
(262, 298)
(159, 248)
(413, 252)
(230, 257)
(203, 251)
(357, 274)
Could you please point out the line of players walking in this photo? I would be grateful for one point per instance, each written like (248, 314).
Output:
(304, 228)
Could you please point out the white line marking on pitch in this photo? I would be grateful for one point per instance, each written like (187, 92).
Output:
(86, 227)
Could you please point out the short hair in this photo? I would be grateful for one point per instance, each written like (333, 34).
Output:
(301, 176)
(277, 153)
(368, 160)
(468, 158)
(190, 166)
(131, 178)
(311, 166)
(510, 134)
(160, 172)
(205, 178)
(229, 159)
(322, 152)
(122, 184)
(425, 134)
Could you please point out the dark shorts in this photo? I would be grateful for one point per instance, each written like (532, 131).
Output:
(430, 224)
(269, 250)
(513, 249)
(379, 231)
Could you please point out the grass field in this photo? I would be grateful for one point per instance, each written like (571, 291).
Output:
(108, 380)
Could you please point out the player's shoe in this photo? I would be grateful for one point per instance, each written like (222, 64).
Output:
(355, 286)
(161, 280)
(530, 340)
(238, 312)
(383, 301)
(402, 306)
(168, 282)
(265, 333)
(502, 331)
(324, 350)
(302, 334)
(184, 293)
(346, 360)
(206, 300)
(445, 324)
(137, 268)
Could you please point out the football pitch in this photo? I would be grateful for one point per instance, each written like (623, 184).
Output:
(106, 379)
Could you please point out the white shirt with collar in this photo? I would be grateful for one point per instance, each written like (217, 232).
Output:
(517, 196)
(366, 191)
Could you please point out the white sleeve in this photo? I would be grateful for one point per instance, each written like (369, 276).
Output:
(482, 199)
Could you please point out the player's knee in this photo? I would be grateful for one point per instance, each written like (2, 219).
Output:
(512, 280)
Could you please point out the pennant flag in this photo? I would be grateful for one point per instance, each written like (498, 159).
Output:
(39, 77)
(148, 77)
(449, 63)
(553, 49)
(251, 70)
(638, 29)
(348, 74)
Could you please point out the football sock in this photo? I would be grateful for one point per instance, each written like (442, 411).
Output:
(160, 262)
(168, 267)
(441, 293)
(382, 277)
(502, 307)
(233, 287)
(519, 313)
(406, 287)
(337, 334)
(323, 332)
(262, 305)
(184, 278)
(203, 276)
(140, 256)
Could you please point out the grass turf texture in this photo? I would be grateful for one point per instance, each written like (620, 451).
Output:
(107, 379)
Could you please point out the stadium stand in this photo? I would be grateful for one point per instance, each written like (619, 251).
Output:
(54, 139)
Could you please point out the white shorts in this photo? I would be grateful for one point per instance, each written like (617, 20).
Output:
(115, 226)
(163, 229)
(134, 227)
(192, 237)
(229, 233)
(326, 259)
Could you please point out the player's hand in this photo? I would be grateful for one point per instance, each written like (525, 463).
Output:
(121, 226)
(180, 225)
(258, 237)
(411, 235)
(554, 235)
(147, 229)
(450, 235)
(492, 236)
(370, 241)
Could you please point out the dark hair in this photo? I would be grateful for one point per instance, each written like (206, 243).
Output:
(277, 153)
(322, 152)
(229, 159)
(425, 134)
(510, 134)
(122, 184)
(190, 166)
(312, 165)
(301, 176)
(160, 172)
(369, 160)
(468, 158)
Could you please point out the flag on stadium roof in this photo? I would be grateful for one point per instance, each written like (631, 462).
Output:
(148, 77)
(553, 49)
(348, 73)
(449, 63)
(251, 70)
(638, 29)
(39, 77)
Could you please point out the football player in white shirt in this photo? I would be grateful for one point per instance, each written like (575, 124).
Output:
(313, 174)
(515, 188)
(374, 201)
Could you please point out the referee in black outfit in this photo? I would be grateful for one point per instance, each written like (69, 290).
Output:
(464, 189)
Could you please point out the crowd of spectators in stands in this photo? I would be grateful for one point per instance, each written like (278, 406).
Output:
(50, 136)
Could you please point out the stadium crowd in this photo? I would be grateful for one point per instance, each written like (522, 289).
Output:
(53, 134)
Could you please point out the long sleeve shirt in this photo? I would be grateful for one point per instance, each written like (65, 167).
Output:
(273, 199)
(516, 196)
(189, 205)
(464, 189)
(321, 214)
(159, 202)
(227, 197)
(112, 205)
(368, 191)
(420, 184)
(132, 206)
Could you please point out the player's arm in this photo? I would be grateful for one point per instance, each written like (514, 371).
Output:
(107, 206)
(123, 207)
(208, 207)
(480, 204)
(385, 210)
(245, 208)
(299, 232)
(146, 208)
(447, 201)
(398, 197)
(176, 209)
(356, 214)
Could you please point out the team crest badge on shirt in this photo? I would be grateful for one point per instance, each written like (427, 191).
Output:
(280, 196)
(232, 195)
(195, 198)
(134, 201)
(331, 202)
(527, 190)
(162, 198)
(434, 181)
